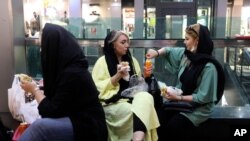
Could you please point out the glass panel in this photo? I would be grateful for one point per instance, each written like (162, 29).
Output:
(245, 70)
(92, 54)
(175, 26)
(203, 16)
(204, 12)
(170, 27)
(33, 61)
(228, 22)
(245, 18)
(37, 13)
(149, 22)
(128, 20)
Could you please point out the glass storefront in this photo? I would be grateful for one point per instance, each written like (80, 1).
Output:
(128, 20)
(245, 19)
(94, 19)
(39, 12)
(149, 20)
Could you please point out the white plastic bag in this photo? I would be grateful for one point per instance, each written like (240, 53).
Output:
(136, 84)
(20, 110)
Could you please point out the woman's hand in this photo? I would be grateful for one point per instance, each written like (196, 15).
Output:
(151, 53)
(28, 87)
(123, 70)
(172, 97)
(173, 94)
(31, 87)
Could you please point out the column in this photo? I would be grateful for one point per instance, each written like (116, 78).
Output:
(139, 25)
(75, 18)
(6, 52)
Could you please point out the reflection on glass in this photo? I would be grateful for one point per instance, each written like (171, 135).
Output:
(245, 20)
(33, 61)
(149, 22)
(128, 20)
(203, 16)
(175, 26)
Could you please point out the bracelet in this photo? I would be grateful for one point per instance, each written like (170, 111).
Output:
(158, 53)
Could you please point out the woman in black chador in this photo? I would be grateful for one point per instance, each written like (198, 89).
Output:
(69, 105)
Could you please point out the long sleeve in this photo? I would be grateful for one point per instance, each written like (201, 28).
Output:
(102, 78)
(207, 89)
(74, 93)
(173, 58)
(206, 92)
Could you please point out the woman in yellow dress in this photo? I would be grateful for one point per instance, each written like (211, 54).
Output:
(126, 119)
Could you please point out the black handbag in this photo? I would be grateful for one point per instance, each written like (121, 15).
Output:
(178, 106)
(154, 90)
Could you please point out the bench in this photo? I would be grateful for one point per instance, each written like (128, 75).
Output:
(226, 123)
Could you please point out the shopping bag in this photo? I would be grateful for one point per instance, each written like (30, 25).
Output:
(19, 131)
(19, 109)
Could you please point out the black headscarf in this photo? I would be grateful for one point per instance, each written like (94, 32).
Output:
(198, 60)
(112, 60)
(60, 50)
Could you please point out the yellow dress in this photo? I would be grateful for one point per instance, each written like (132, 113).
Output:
(119, 115)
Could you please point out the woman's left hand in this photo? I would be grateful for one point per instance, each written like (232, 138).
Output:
(151, 53)
(28, 86)
(172, 94)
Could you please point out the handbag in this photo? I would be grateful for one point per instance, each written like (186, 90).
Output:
(178, 106)
(19, 131)
(154, 90)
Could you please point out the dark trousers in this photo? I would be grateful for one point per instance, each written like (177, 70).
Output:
(174, 125)
(138, 124)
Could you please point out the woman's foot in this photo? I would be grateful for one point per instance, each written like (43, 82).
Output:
(138, 136)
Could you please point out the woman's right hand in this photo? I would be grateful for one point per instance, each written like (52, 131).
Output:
(151, 53)
(123, 70)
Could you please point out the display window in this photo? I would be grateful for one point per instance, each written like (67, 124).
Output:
(203, 16)
(245, 21)
(100, 17)
(150, 21)
(128, 20)
(39, 12)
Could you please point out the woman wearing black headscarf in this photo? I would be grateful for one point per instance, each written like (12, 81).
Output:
(69, 105)
(126, 120)
(200, 79)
